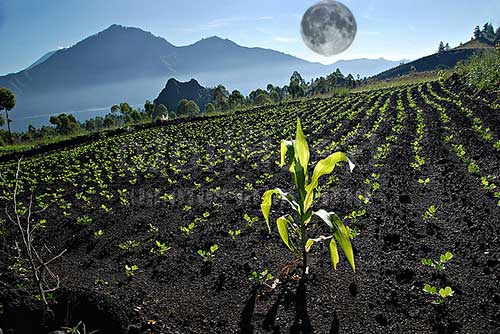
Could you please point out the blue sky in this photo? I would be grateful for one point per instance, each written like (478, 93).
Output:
(392, 29)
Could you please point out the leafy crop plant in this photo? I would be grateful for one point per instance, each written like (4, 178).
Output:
(295, 227)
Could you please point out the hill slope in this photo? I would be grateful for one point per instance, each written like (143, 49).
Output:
(433, 62)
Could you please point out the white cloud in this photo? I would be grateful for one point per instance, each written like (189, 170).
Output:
(282, 39)
(224, 22)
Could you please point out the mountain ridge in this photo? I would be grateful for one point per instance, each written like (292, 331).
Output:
(129, 64)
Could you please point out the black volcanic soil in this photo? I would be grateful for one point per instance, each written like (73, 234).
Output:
(179, 293)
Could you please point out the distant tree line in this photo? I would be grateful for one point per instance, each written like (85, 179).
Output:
(219, 100)
(488, 32)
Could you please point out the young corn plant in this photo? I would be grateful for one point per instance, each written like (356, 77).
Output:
(294, 228)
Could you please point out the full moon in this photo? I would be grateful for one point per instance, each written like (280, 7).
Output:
(328, 28)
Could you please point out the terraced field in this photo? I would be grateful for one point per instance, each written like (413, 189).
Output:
(134, 210)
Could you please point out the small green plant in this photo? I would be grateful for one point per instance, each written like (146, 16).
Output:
(424, 181)
(129, 244)
(160, 248)
(355, 214)
(438, 265)
(430, 212)
(298, 227)
(208, 255)
(234, 233)
(77, 330)
(497, 145)
(497, 195)
(152, 229)
(98, 234)
(487, 185)
(188, 229)
(261, 278)
(473, 168)
(84, 220)
(167, 197)
(130, 270)
(440, 295)
(249, 221)
(364, 200)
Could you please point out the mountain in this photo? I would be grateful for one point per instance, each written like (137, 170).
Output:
(42, 59)
(175, 91)
(128, 64)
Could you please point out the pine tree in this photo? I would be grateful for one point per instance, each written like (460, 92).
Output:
(477, 32)
(441, 47)
(488, 31)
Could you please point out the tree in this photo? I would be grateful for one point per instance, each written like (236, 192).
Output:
(497, 36)
(125, 108)
(115, 108)
(253, 94)
(209, 109)
(7, 103)
(187, 108)
(108, 122)
(297, 85)
(447, 47)
(149, 108)
(65, 124)
(161, 111)
(262, 99)
(488, 31)
(236, 99)
(90, 125)
(477, 32)
(221, 96)
(275, 96)
(269, 88)
(441, 47)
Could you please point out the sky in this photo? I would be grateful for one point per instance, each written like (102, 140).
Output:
(393, 29)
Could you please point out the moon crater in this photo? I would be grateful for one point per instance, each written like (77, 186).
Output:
(328, 28)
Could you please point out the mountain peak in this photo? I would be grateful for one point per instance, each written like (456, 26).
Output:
(215, 40)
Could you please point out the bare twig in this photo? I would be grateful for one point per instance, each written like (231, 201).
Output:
(43, 277)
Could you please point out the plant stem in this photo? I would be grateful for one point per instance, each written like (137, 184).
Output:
(304, 252)
(8, 126)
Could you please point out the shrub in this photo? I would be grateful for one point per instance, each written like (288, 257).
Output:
(482, 70)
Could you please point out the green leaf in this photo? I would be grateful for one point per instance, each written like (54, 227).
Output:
(267, 200)
(446, 292)
(445, 257)
(427, 262)
(309, 244)
(301, 148)
(334, 254)
(286, 147)
(324, 167)
(213, 248)
(282, 223)
(430, 289)
(340, 233)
